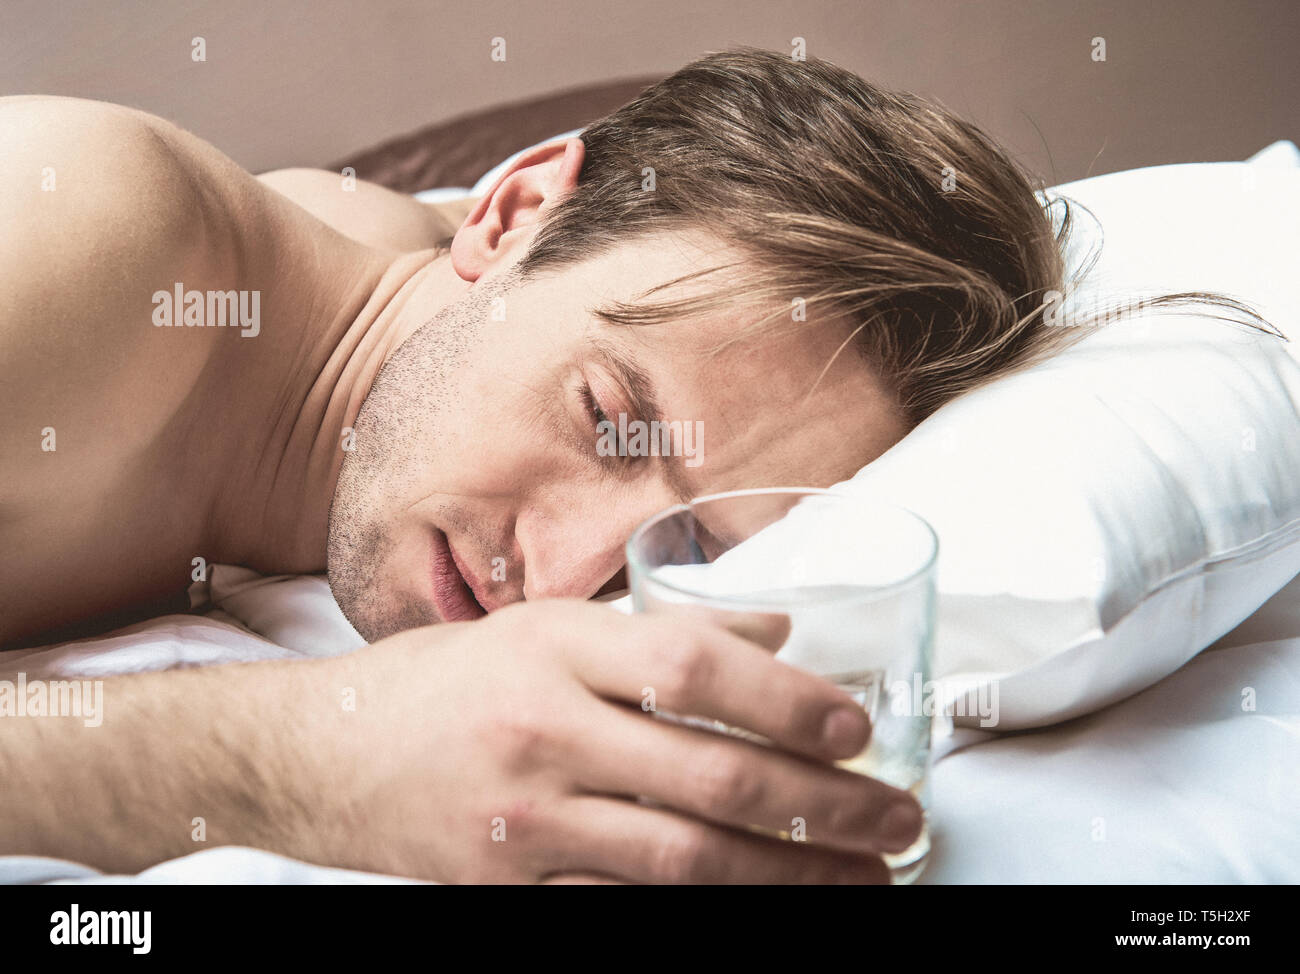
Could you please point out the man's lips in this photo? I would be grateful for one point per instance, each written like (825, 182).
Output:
(475, 586)
(452, 596)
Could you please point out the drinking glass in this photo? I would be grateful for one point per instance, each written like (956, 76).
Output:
(854, 579)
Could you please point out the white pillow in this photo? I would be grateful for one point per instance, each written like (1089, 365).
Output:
(1106, 515)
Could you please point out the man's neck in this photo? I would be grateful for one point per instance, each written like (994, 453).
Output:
(275, 518)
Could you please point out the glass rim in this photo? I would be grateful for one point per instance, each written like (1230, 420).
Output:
(636, 565)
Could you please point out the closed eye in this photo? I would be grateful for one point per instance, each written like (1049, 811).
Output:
(609, 442)
(592, 406)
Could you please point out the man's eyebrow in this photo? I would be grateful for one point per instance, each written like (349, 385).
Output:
(645, 405)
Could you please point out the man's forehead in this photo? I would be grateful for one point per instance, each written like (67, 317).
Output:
(628, 272)
(769, 425)
(788, 406)
(777, 400)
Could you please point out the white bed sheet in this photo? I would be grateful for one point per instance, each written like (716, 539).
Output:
(1178, 784)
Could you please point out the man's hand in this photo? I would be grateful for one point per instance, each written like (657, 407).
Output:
(514, 749)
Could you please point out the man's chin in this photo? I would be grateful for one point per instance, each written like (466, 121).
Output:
(375, 617)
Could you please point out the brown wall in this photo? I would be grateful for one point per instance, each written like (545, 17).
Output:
(288, 82)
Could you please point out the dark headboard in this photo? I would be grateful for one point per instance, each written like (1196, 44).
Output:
(458, 152)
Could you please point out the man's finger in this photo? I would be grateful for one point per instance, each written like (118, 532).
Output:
(696, 669)
(737, 783)
(643, 844)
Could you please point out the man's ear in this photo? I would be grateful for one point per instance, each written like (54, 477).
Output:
(514, 204)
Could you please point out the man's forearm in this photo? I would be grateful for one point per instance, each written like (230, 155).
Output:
(183, 760)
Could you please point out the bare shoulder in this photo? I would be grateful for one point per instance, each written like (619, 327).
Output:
(66, 154)
(115, 425)
(101, 208)
(97, 213)
(366, 212)
(91, 195)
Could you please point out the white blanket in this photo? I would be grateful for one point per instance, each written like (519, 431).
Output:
(1178, 784)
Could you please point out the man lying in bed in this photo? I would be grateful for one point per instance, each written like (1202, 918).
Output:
(196, 366)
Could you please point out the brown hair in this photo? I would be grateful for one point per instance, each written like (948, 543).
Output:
(879, 208)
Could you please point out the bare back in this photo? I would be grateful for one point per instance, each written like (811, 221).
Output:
(126, 407)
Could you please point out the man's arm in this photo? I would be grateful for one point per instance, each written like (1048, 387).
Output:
(509, 749)
(252, 750)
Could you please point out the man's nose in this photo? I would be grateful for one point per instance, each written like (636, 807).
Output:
(574, 557)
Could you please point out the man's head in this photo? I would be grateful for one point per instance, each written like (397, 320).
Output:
(829, 262)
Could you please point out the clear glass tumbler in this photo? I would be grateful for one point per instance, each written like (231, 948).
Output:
(854, 579)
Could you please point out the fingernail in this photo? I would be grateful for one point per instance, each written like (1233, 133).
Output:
(846, 731)
(901, 825)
